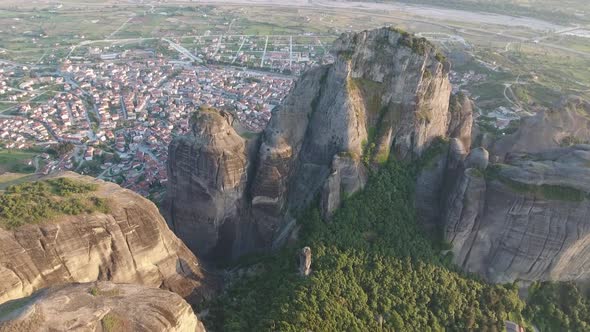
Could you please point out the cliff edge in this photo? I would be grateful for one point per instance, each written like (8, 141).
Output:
(126, 241)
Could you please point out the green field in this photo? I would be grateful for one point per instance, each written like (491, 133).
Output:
(15, 161)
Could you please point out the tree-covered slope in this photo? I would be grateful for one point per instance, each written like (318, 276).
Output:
(373, 269)
(553, 306)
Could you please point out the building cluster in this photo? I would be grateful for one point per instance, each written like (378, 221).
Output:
(22, 133)
(121, 115)
(292, 54)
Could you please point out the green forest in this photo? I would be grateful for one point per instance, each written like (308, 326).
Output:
(556, 306)
(373, 269)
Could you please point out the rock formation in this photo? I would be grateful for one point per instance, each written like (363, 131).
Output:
(387, 93)
(460, 126)
(566, 124)
(130, 244)
(525, 219)
(305, 261)
(101, 306)
(207, 179)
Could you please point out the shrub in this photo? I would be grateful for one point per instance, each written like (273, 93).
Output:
(38, 201)
(556, 306)
(114, 323)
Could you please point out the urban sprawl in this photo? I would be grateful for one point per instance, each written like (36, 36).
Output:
(114, 118)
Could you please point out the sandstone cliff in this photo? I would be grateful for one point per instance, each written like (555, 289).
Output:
(525, 219)
(207, 179)
(101, 306)
(130, 244)
(387, 93)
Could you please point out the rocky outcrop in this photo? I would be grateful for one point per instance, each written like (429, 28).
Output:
(387, 93)
(564, 125)
(348, 175)
(130, 244)
(207, 179)
(460, 126)
(525, 219)
(478, 158)
(445, 163)
(102, 306)
(305, 261)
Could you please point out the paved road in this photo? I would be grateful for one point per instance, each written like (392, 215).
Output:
(264, 53)
(239, 49)
(182, 50)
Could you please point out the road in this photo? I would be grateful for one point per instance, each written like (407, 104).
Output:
(508, 88)
(264, 53)
(182, 50)
(121, 27)
(239, 49)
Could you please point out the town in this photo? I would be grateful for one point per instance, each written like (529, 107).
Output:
(118, 116)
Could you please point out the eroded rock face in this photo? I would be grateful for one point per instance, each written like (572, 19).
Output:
(387, 93)
(461, 111)
(348, 175)
(305, 261)
(130, 244)
(101, 306)
(207, 178)
(429, 187)
(379, 97)
(441, 171)
(527, 219)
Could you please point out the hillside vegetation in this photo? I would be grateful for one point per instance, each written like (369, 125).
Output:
(372, 269)
(556, 306)
(39, 201)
